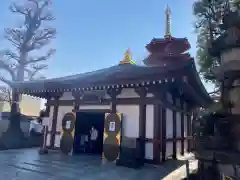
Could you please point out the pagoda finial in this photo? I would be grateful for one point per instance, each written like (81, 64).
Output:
(127, 58)
(168, 22)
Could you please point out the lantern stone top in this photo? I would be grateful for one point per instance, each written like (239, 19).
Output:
(230, 39)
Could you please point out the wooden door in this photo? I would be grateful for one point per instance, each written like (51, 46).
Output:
(68, 131)
(112, 136)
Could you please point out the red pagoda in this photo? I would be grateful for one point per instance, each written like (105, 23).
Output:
(164, 51)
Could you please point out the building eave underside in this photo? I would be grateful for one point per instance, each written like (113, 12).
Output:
(199, 87)
(152, 75)
(112, 75)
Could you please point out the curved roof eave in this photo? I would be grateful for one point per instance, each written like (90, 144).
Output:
(106, 75)
(201, 88)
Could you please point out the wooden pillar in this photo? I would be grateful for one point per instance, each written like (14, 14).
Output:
(113, 93)
(189, 125)
(182, 128)
(163, 135)
(159, 126)
(77, 95)
(163, 122)
(157, 144)
(54, 120)
(47, 111)
(142, 92)
(174, 156)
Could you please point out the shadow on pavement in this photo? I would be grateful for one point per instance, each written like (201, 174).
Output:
(26, 164)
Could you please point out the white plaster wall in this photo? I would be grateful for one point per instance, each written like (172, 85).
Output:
(169, 132)
(128, 93)
(57, 140)
(178, 145)
(169, 123)
(131, 120)
(149, 121)
(169, 149)
(48, 139)
(178, 124)
(149, 150)
(94, 107)
(149, 131)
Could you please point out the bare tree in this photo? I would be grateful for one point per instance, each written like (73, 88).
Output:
(33, 34)
(6, 94)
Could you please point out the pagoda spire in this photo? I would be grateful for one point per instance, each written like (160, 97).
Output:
(167, 50)
(168, 22)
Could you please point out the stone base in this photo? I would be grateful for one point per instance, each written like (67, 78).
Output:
(223, 157)
(129, 157)
(43, 151)
(129, 164)
(13, 138)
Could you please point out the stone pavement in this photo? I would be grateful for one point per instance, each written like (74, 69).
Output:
(180, 173)
(27, 164)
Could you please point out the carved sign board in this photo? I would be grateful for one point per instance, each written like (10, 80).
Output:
(112, 126)
(68, 124)
(93, 96)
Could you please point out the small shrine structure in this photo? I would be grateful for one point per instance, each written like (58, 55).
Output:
(156, 101)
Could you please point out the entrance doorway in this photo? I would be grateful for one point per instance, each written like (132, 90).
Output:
(85, 123)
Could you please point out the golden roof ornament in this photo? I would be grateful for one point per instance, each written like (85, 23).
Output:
(168, 22)
(127, 58)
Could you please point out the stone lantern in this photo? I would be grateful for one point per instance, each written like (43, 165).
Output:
(227, 49)
(219, 140)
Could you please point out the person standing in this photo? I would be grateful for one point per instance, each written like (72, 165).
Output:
(93, 139)
(36, 127)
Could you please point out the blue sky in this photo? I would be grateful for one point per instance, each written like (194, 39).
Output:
(93, 34)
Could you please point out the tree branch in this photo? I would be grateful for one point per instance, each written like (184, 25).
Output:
(35, 69)
(41, 58)
(41, 38)
(26, 38)
(8, 67)
(9, 55)
(5, 94)
(6, 81)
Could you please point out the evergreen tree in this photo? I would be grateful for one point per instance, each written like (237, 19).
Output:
(209, 15)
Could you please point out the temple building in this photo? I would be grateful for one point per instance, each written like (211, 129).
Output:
(151, 104)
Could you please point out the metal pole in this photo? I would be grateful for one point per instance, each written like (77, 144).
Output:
(44, 137)
(43, 147)
(187, 169)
